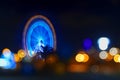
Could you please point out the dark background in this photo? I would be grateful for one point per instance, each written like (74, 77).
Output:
(73, 22)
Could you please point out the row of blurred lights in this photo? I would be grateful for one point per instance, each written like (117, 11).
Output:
(114, 53)
(83, 58)
(8, 59)
(103, 44)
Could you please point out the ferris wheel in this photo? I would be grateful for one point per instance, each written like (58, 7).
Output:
(38, 33)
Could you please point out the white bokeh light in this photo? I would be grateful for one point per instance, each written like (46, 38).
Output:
(113, 51)
(103, 55)
(103, 43)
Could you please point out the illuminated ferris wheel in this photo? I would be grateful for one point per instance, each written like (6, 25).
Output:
(38, 33)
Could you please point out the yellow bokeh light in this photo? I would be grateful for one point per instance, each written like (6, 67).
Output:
(21, 53)
(6, 50)
(117, 58)
(86, 57)
(17, 58)
(79, 57)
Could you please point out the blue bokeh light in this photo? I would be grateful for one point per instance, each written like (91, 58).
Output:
(87, 43)
(7, 63)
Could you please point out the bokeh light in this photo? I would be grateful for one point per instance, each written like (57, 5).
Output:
(17, 58)
(79, 57)
(7, 64)
(113, 51)
(103, 55)
(6, 53)
(4, 63)
(117, 58)
(87, 44)
(86, 57)
(103, 43)
(6, 50)
(109, 57)
(21, 53)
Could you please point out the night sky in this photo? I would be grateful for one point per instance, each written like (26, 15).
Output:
(73, 21)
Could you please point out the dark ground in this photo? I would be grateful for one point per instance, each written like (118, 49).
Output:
(68, 76)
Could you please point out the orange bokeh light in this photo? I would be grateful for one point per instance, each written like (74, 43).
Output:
(17, 58)
(6, 50)
(21, 53)
(86, 57)
(81, 57)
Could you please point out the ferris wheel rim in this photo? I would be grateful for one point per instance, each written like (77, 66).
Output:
(28, 25)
